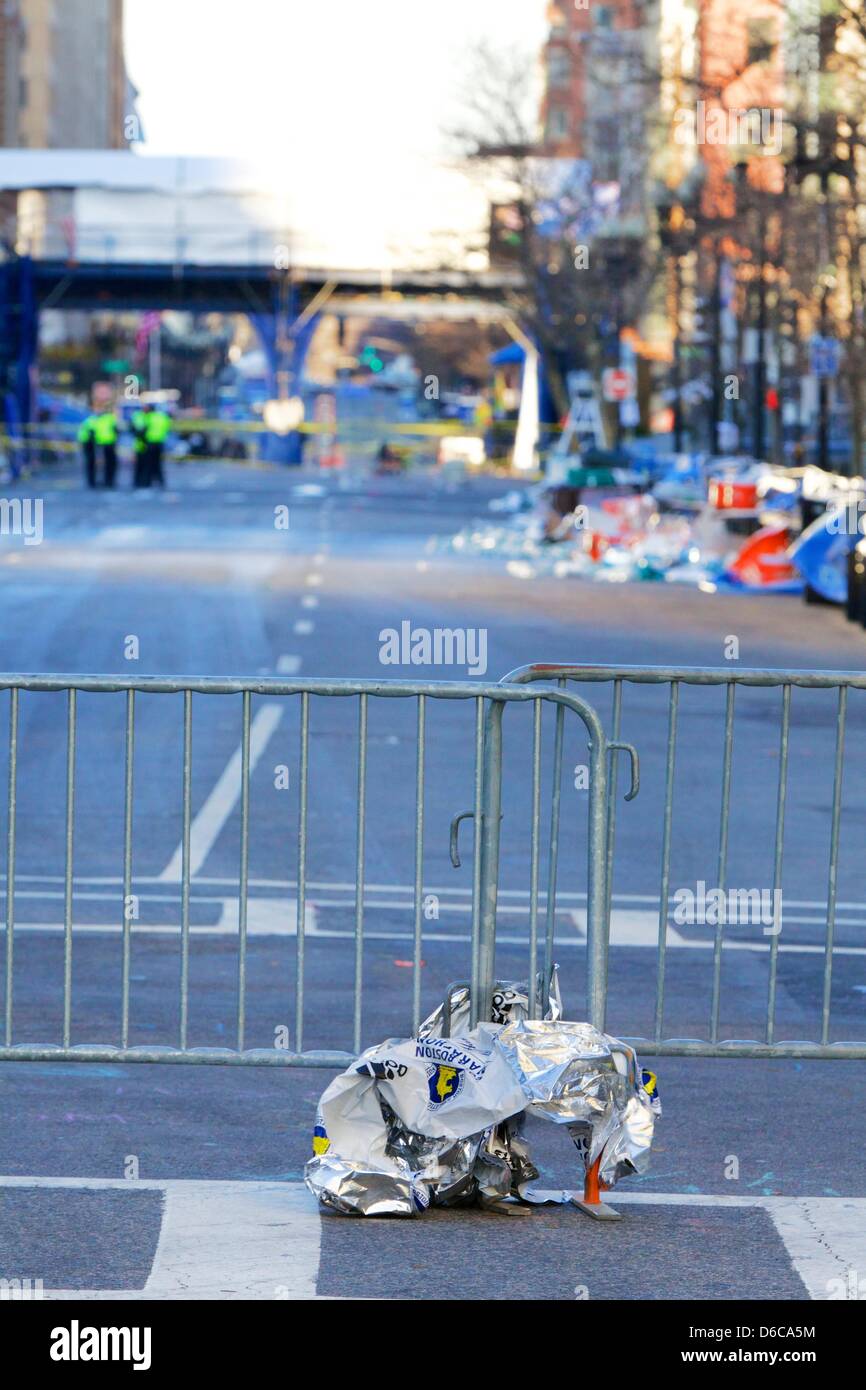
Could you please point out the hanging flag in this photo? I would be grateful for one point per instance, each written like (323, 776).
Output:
(148, 324)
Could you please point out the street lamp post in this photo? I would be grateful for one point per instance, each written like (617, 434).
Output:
(712, 231)
(759, 374)
(677, 354)
(761, 363)
(824, 384)
(716, 350)
(674, 239)
(824, 162)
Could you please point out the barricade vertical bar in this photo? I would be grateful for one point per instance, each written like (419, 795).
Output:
(611, 789)
(597, 920)
(11, 811)
(419, 862)
(777, 859)
(186, 812)
(359, 865)
(476, 843)
(127, 865)
(67, 894)
(243, 884)
(302, 872)
(492, 806)
(664, 889)
(724, 821)
(535, 995)
(834, 862)
(553, 861)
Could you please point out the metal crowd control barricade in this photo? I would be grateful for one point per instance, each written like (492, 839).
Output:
(488, 702)
(598, 925)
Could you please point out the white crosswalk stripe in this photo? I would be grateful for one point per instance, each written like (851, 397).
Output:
(262, 1240)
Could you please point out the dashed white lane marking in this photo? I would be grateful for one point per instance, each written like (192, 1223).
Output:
(213, 815)
(257, 1240)
(288, 665)
(312, 580)
(122, 535)
(309, 601)
(303, 627)
(266, 917)
(632, 927)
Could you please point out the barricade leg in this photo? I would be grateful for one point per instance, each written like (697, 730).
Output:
(490, 819)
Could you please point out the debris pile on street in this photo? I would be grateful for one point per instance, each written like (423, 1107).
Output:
(441, 1120)
(715, 524)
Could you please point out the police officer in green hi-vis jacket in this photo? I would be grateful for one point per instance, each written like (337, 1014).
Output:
(88, 449)
(157, 427)
(104, 428)
(138, 423)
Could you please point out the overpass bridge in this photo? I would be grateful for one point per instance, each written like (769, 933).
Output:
(283, 305)
(252, 288)
(111, 230)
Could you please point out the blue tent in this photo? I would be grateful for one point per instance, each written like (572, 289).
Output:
(511, 353)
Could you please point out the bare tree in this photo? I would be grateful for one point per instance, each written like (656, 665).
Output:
(579, 288)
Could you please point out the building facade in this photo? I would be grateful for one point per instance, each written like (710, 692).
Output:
(596, 93)
(63, 76)
(63, 85)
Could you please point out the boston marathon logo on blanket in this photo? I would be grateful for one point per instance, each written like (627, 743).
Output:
(446, 1076)
(650, 1088)
(444, 1083)
(321, 1142)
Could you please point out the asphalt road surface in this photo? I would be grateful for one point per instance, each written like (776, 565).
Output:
(186, 1181)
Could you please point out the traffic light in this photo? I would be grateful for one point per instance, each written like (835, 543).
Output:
(371, 359)
(505, 243)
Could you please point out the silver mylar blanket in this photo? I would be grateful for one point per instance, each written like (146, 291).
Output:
(430, 1119)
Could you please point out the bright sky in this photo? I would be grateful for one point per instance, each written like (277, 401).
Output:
(345, 103)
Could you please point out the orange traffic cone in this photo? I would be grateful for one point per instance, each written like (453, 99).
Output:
(592, 1203)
